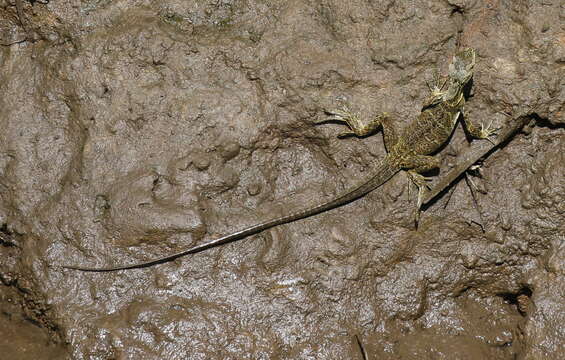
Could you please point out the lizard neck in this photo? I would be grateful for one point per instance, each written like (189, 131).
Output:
(454, 98)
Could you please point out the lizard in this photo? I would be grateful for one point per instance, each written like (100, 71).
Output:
(409, 150)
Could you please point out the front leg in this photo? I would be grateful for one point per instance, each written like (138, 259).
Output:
(364, 127)
(481, 131)
(436, 91)
(357, 126)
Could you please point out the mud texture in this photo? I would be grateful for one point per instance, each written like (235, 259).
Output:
(132, 129)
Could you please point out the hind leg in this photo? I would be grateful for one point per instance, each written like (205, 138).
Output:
(416, 165)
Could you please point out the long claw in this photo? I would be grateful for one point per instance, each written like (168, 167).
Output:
(421, 183)
(356, 125)
(419, 180)
(437, 84)
(420, 197)
(487, 131)
(342, 114)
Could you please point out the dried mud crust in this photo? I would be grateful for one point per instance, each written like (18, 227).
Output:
(133, 130)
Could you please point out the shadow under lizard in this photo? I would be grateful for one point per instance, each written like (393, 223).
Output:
(408, 150)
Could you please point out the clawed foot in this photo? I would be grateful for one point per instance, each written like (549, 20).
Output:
(353, 121)
(343, 115)
(421, 183)
(487, 131)
(437, 84)
(436, 90)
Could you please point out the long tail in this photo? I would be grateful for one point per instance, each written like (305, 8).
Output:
(382, 174)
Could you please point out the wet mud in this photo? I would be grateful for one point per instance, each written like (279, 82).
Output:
(130, 130)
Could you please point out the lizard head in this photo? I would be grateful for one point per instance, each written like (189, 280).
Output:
(461, 68)
(460, 73)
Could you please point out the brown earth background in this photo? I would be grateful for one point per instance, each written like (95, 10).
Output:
(131, 129)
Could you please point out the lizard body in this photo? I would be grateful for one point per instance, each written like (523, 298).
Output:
(409, 150)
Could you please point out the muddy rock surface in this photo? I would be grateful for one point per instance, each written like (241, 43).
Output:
(134, 129)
